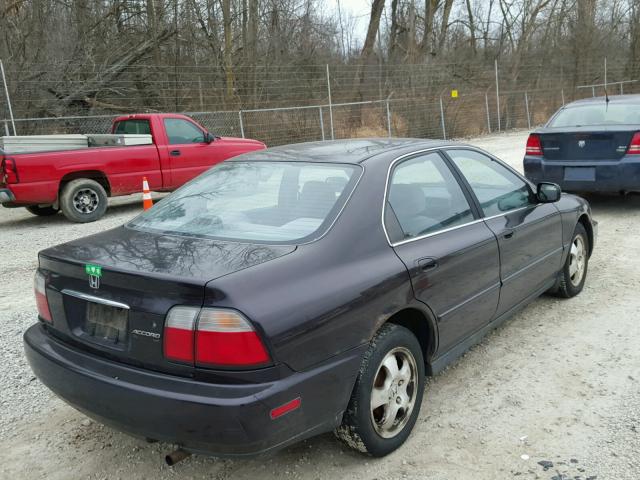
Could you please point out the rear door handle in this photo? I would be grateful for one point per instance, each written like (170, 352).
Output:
(508, 234)
(427, 264)
(174, 153)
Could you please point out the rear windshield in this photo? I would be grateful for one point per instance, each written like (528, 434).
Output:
(133, 127)
(597, 114)
(255, 201)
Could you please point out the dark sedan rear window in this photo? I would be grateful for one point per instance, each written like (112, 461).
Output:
(597, 114)
(272, 202)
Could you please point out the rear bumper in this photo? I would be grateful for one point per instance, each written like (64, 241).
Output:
(222, 420)
(597, 176)
(6, 196)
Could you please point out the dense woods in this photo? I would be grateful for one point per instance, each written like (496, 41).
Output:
(81, 57)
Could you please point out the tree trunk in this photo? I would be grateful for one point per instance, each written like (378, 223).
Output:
(228, 49)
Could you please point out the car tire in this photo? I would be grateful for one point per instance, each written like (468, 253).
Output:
(42, 211)
(83, 200)
(574, 271)
(370, 429)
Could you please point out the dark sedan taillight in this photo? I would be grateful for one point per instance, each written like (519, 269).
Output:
(212, 337)
(534, 146)
(634, 146)
(39, 286)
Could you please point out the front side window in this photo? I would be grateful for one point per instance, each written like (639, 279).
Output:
(425, 196)
(181, 131)
(497, 188)
(261, 201)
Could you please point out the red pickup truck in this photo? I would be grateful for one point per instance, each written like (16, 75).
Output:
(78, 182)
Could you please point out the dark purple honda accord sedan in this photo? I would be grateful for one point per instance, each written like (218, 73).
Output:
(299, 290)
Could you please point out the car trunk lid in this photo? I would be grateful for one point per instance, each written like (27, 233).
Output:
(110, 293)
(586, 143)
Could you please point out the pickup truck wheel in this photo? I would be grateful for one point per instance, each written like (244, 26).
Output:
(83, 200)
(387, 395)
(42, 211)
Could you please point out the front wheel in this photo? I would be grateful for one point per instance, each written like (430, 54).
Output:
(387, 395)
(574, 272)
(83, 200)
(46, 211)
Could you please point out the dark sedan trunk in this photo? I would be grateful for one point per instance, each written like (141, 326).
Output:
(586, 143)
(142, 276)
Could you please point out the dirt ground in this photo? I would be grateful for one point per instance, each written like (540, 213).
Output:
(559, 383)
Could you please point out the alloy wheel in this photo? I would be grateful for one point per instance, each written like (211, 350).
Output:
(394, 392)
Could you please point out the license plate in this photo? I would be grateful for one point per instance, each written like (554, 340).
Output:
(107, 324)
(580, 174)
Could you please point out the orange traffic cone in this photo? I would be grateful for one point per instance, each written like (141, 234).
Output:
(147, 203)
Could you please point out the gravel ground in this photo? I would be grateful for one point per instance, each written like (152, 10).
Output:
(552, 394)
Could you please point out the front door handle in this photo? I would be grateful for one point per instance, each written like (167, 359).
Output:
(174, 153)
(427, 264)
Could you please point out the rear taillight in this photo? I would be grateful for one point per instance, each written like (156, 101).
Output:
(634, 146)
(534, 146)
(41, 297)
(212, 337)
(8, 171)
(178, 334)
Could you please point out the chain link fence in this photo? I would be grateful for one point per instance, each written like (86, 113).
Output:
(445, 117)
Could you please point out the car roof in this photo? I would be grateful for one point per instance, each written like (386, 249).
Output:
(630, 99)
(343, 151)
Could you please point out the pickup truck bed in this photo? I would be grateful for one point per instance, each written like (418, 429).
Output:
(79, 181)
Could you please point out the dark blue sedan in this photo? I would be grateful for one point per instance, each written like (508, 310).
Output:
(590, 145)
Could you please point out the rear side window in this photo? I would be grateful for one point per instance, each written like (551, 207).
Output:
(181, 131)
(597, 114)
(497, 188)
(136, 127)
(425, 196)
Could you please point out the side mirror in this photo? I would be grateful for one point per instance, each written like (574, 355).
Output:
(209, 137)
(548, 192)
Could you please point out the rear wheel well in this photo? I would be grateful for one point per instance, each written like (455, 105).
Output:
(584, 220)
(95, 175)
(420, 325)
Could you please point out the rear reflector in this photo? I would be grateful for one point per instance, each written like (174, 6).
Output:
(534, 146)
(226, 338)
(179, 334)
(286, 408)
(634, 146)
(39, 286)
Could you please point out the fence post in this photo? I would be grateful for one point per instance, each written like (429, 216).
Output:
(6, 92)
(562, 94)
(321, 121)
(444, 131)
(621, 89)
(497, 94)
(241, 123)
(486, 104)
(593, 91)
(388, 119)
(6, 128)
(330, 105)
(526, 104)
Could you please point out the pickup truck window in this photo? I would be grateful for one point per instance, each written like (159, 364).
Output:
(181, 131)
(136, 127)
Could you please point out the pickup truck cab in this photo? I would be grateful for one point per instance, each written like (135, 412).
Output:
(79, 182)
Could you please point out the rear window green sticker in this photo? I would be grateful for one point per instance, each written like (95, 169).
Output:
(94, 270)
